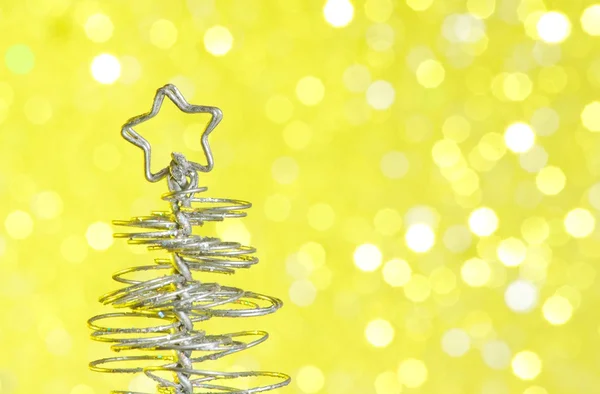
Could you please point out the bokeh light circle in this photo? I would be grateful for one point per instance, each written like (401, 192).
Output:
(99, 27)
(456, 342)
(475, 272)
(387, 383)
(428, 164)
(590, 116)
(526, 365)
(19, 59)
(47, 205)
(496, 354)
(302, 293)
(430, 73)
(557, 310)
(99, 236)
(412, 372)
(483, 221)
(511, 251)
(394, 165)
(553, 27)
(105, 68)
(396, 272)
(550, 180)
(521, 296)
(367, 257)
(218, 40)
(420, 237)
(580, 222)
(590, 20)
(310, 90)
(310, 379)
(163, 34)
(18, 224)
(381, 95)
(379, 333)
(519, 137)
(338, 13)
(418, 288)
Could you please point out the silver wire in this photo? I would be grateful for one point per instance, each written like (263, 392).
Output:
(171, 306)
(177, 98)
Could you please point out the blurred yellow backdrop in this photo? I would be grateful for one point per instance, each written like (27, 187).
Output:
(424, 175)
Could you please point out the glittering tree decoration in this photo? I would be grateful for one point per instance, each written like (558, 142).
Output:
(161, 333)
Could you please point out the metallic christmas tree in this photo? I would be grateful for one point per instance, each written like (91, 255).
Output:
(161, 331)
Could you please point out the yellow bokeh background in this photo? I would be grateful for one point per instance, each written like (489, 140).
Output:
(423, 173)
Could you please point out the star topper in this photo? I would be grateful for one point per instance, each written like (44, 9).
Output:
(177, 98)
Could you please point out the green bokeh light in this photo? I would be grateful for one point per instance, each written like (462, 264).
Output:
(19, 59)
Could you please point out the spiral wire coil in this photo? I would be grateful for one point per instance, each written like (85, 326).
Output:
(177, 301)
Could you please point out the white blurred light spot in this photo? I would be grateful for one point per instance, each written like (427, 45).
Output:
(99, 236)
(18, 224)
(338, 13)
(379, 333)
(519, 137)
(590, 20)
(285, 170)
(302, 292)
(218, 40)
(420, 237)
(511, 252)
(456, 342)
(476, 272)
(521, 296)
(553, 27)
(463, 28)
(367, 257)
(394, 165)
(483, 221)
(105, 68)
(496, 354)
(580, 222)
(526, 365)
(557, 310)
(98, 28)
(396, 272)
(381, 95)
